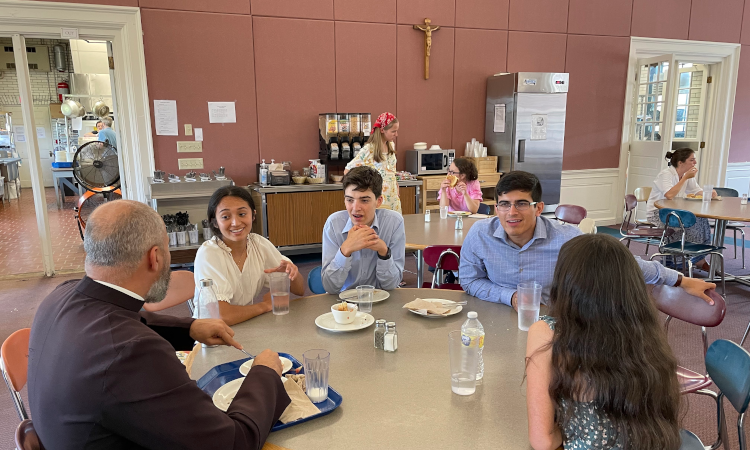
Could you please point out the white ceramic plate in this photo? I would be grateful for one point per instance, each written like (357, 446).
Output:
(286, 365)
(455, 310)
(459, 213)
(361, 321)
(377, 296)
(700, 199)
(224, 395)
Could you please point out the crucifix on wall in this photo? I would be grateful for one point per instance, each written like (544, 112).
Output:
(427, 28)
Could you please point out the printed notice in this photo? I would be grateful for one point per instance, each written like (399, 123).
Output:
(76, 123)
(198, 134)
(499, 126)
(165, 117)
(19, 133)
(221, 112)
(40, 133)
(538, 127)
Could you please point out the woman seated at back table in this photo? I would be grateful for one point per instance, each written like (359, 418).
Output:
(238, 260)
(460, 191)
(600, 372)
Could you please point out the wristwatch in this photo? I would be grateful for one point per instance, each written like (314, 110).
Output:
(387, 255)
(679, 280)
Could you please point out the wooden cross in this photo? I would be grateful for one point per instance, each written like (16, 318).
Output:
(427, 28)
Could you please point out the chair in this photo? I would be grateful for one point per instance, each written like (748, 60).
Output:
(570, 214)
(728, 364)
(641, 195)
(676, 303)
(630, 229)
(181, 290)
(315, 281)
(26, 437)
(588, 226)
(685, 219)
(486, 209)
(734, 226)
(433, 256)
(14, 364)
(690, 441)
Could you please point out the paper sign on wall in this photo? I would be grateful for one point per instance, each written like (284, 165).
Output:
(40, 133)
(19, 134)
(499, 123)
(165, 117)
(198, 134)
(538, 127)
(221, 112)
(76, 123)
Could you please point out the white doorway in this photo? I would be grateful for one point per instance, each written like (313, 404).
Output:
(44, 138)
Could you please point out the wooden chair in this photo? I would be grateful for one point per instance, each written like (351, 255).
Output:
(587, 226)
(14, 364)
(641, 195)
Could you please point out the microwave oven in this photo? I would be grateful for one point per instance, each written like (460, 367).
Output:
(429, 162)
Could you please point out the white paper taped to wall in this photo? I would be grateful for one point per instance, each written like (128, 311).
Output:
(221, 112)
(19, 134)
(499, 122)
(76, 123)
(165, 117)
(198, 134)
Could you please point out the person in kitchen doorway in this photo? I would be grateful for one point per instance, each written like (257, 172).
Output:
(107, 134)
(99, 126)
(238, 260)
(380, 153)
(363, 245)
(460, 190)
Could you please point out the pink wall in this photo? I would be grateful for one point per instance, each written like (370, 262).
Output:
(304, 57)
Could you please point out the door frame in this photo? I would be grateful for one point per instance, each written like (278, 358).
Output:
(725, 57)
(122, 26)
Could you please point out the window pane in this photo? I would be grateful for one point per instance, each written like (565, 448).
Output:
(642, 89)
(679, 130)
(681, 113)
(643, 76)
(648, 131)
(655, 88)
(639, 132)
(685, 80)
(682, 97)
(657, 132)
(664, 71)
(649, 111)
(653, 72)
(691, 131)
(657, 110)
(695, 96)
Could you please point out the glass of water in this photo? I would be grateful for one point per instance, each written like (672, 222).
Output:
(316, 374)
(364, 298)
(529, 299)
(463, 358)
(279, 292)
(443, 212)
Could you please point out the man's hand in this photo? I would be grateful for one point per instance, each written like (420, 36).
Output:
(269, 358)
(514, 301)
(697, 288)
(287, 267)
(359, 237)
(379, 246)
(213, 332)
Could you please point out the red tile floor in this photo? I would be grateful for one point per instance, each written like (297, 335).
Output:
(20, 248)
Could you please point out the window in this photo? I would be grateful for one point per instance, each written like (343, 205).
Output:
(652, 80)
(690, 102)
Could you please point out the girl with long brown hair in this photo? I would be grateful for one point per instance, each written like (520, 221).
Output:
(600, 372)
(380, 153)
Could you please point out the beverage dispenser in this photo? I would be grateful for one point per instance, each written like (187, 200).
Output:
(355, 136)
(329, 136)
(344, 138)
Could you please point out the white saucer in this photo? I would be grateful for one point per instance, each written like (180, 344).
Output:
(377, 296)
(361, 321)
(286, 366)
(454, 311)
(224, 395)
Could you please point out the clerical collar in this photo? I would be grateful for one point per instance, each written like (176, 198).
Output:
(122, 289)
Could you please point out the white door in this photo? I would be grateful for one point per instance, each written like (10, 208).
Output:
(44, 137)
(651, 122)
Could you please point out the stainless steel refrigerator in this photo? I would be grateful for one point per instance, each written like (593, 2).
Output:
(525, 126)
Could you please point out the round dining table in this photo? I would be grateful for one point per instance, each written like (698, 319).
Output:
(421, 234)
(724, 210)
(401, 399)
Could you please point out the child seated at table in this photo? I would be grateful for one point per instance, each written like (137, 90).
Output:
(363, 245)
(460, 191)
(600, 372)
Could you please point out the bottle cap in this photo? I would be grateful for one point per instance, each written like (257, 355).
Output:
(472, 315)
(390, 325)
(206, 282)
(380, 322)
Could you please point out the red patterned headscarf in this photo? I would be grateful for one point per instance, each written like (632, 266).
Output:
(384, 120)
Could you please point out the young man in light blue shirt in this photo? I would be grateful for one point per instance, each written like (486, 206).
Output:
(107, 134)
(519, 245)
(363, 245)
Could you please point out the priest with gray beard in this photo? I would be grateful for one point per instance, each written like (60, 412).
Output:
(104, 375)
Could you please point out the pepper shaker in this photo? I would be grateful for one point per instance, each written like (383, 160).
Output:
(379, 333)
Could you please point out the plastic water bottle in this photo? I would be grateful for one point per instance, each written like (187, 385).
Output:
(474, 330)
(208, 304)
(263, 173)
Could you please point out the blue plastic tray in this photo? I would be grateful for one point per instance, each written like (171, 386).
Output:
(62, 165)
(224, 373)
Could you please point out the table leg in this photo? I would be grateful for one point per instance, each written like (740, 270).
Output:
(420, 268)
(57, 192)
(719, 232)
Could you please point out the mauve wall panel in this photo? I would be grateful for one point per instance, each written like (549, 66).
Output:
(479, 54)
(362, 86)
(716, 21)
(649, 18)
(101, 2)
(383, 11)
(441, 12)
(745, 37)
(595, 101)
(542, 15)
(424, 107)
(600, 17)
(739, 150)
(219, 6)
(196, 68)
(295, 74)
(492, 14)
(304, 9)
(536, 52)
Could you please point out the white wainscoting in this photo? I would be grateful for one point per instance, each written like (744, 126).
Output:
(595, 190)
(738, 176)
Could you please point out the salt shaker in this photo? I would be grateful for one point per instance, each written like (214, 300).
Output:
(743, 200)
(379, 333)
(426, 215)
(390, 340)
(459, 223)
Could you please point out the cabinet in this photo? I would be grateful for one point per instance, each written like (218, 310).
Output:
(431, 186)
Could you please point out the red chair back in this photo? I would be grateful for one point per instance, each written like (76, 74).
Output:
(570, 214)
(15, 355)
(630, 202)
(432, 254)
(675, 302)
(26, 437)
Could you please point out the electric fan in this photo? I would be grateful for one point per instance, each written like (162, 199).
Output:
(96, 168)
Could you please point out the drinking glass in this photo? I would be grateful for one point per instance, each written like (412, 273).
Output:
(316, 374)
(707, 192)
(364, 298)
(280, 292)
(743, 200)
(529, 298)
(443, 212)
(463, 361)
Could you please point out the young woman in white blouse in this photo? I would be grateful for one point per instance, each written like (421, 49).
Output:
(238, 260)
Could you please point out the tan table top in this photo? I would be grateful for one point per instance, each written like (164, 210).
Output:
(421, 234)
(401, 399)
(728, 208)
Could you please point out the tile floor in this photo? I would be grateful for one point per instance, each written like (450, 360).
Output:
(20, 249)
